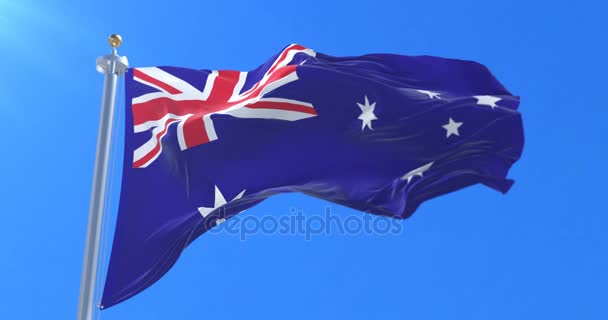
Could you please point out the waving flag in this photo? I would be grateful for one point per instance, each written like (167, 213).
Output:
(379, 133)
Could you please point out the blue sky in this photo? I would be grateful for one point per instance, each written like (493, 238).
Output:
(539, 252)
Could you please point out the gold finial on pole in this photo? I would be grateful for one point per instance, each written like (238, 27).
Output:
(115, 40)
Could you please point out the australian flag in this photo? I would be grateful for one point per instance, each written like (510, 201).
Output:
(380, 133)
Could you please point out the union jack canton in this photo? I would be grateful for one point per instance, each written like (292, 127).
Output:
(223, 92)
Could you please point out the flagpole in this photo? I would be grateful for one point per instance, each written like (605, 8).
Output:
(112, 66)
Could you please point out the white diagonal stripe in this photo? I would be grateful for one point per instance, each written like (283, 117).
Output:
(145, 149)
(181, 139)
(209, 85)
(238, 87)
(209, 127)
(170, 79)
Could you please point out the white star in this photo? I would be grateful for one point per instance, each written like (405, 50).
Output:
(452, 128)
(487, 100)
(431, 94)
(417, 172)
(219, 201)
(367, 114)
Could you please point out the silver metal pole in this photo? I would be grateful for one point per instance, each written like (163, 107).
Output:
(112, 66)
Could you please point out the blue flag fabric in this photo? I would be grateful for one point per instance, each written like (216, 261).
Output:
(379, 133)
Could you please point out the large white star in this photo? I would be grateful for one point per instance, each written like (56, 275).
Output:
(452, 128)
(219, 201)
(417, 172)
(487, 101)
(431, 94)
(367, 114)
